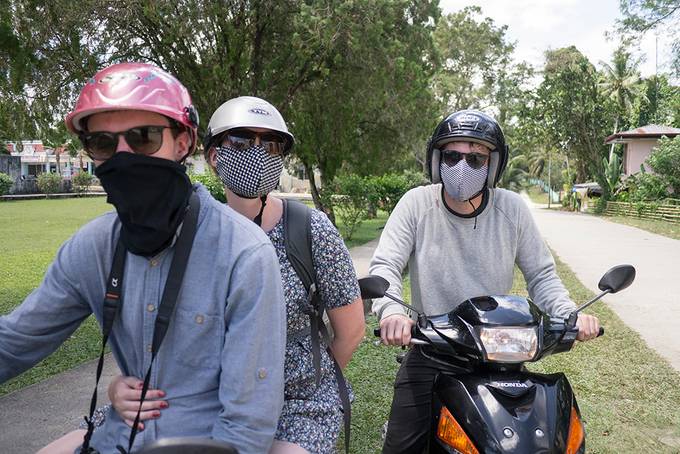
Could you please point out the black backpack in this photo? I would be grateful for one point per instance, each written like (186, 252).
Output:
(297, 236)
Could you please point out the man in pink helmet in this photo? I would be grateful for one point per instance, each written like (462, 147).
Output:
(192, 300)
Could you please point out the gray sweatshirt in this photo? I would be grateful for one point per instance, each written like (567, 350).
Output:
(449, 260)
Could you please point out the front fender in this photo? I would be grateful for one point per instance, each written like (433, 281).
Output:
(506, 412)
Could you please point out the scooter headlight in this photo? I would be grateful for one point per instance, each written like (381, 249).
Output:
(509, 344)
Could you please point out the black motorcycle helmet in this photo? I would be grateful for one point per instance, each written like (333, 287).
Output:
(469, 126)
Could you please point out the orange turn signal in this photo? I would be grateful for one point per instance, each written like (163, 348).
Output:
(450, 432)
(576, 433)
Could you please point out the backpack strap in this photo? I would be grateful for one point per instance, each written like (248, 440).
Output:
(297, 238)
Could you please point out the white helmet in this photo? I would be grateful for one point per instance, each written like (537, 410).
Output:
(246, 112)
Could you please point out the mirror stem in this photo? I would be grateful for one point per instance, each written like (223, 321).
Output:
(574, 315)
(422, 320)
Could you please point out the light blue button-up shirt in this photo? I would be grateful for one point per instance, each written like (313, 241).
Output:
(221, 363)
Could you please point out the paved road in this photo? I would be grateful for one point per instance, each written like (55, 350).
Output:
(590, 245)
(34, 416)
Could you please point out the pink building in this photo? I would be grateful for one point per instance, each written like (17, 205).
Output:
(638, 145)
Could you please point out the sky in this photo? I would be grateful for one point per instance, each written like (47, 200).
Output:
(539, 25)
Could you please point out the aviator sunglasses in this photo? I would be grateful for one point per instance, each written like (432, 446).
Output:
(102, 145)
(241, 139)
(474, 160)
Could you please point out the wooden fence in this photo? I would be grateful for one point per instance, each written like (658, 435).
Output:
(669, 213)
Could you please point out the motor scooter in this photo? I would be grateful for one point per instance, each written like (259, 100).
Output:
(485, 400)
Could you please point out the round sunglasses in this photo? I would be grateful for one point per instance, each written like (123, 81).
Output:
(102, 145)
(474, 160)
(241, 139)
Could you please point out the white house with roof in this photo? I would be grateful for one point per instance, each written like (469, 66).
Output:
(36, 159)
(638, 144)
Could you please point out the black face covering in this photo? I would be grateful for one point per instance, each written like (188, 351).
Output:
(150, 195)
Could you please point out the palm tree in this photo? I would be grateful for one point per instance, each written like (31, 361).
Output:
(620, 83)
(515, 174)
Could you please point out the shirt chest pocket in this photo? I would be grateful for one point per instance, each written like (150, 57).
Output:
(197, 339)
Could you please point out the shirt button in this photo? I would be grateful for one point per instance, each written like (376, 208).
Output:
(262, 373)
(199, 319)
(148, 348)
(150, 307)
(153, 262)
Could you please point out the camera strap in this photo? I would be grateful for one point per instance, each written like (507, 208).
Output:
(166, 309)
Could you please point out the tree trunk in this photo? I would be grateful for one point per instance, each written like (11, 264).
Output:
(316, 196)
(616, 129)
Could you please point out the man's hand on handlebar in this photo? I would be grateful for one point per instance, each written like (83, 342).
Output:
(395, 329)
(588, 327)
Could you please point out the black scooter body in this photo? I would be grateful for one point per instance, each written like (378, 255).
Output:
(517, 412)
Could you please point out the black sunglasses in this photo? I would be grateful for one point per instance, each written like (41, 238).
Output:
(102, 145)
(474, 160)
(241, 139)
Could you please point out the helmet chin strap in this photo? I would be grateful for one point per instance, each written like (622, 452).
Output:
(258, 219)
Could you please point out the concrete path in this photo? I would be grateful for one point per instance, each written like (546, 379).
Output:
(32, 417)
(590, 245)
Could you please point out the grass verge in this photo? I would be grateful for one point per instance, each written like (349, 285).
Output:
(626, 392)
(667, 229)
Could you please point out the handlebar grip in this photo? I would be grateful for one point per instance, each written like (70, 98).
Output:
(601, 333)
(376, 332)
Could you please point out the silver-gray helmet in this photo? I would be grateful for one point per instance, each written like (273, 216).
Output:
(246, 112)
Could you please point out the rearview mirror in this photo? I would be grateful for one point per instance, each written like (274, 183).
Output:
(617, 278)
(373, 287)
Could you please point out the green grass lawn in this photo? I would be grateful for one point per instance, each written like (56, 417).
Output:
(368, 230)
(32, 231)
(669, 229)
(628, 395)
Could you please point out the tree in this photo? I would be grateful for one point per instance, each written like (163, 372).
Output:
(475, 67)
(357, 70)
(640, 16)
(620, 83)
(659, 104)
(572, 112)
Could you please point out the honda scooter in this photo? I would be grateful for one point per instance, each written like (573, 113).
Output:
(485, 400)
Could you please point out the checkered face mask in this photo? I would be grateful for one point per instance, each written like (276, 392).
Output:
(249, 173)
(461, 181)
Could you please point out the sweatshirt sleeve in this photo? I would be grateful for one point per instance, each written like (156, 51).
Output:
(251, 381)
(393, 252)
(538, 267)
(48, 316)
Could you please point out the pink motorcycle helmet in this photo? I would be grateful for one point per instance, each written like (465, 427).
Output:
(135, 86)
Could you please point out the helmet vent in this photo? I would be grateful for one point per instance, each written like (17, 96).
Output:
(259, 111)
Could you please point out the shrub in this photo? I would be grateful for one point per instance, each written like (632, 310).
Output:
(351, 199)
(81, 182)
(49, 183)
(665, 161)
(6, 182)
(212, 183)
(645, 187)
(390, 188)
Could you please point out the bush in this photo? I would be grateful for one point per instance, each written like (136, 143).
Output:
(212, 183)
(665, 161)
(644, 187)
(6, 182)
(351, 200)
(390, 188)
(49, 183)
(81, 182)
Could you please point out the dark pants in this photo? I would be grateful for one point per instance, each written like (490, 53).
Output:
(409, 425)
